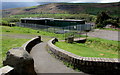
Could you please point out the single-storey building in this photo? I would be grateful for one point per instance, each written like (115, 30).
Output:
(52, 21)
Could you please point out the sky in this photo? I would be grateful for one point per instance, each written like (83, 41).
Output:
(70, 1)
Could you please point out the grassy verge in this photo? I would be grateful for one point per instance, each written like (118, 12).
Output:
(94, 47)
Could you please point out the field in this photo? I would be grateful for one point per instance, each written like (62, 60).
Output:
(21, 30)
(94, 47)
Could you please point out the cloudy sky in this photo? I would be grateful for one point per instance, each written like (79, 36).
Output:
(70, 1)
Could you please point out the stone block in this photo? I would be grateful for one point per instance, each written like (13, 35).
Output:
(69, 39)
(6, 70)
(21, 61)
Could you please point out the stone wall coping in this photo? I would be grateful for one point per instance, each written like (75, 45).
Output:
(29, 44)
(94, 59)
(5, 69)
(25, 44)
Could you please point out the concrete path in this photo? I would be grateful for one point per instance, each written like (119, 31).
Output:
(105, 34)
(45, 63)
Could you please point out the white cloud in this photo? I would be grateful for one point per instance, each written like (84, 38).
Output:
(70, 1)
(106, 1)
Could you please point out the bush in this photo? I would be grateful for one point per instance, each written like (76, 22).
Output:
(100, 26)
(111, 21)
(104, 19)
(4, 22)
(9, 21)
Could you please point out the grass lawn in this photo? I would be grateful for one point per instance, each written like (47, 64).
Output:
(9, 43)
(94, 47)
(22, 30)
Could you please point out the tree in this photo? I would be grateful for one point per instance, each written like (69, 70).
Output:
(102, 17)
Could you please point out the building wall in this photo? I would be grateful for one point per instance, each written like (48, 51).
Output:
(59, 23)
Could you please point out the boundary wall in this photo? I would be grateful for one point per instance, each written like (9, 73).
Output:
(91, 65)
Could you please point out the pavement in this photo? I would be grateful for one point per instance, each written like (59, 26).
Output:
(45, 63)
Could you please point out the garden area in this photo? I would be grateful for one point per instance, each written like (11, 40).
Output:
(93, 47)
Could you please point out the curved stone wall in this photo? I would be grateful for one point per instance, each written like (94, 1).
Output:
(20, 60)
(91, 65)
(29, 44)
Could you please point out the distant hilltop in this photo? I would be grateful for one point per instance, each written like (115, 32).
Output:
(8, 5)
(71, 8)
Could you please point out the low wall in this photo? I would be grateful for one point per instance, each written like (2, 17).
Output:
(20, 60)
(31, 43)
(91, 65)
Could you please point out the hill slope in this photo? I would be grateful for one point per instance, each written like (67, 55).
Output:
(8, 5)
(72, 8)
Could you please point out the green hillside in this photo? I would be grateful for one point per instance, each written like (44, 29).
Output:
(85, 11)
(67, 8)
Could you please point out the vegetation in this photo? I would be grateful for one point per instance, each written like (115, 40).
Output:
(8, 21)
(86, 11)
(0, 47)
(94, 47)
(101, 48)
(95, 8)
(68, 8)
(16, 18)
(9, 43)
(103, 19)
(21, 30)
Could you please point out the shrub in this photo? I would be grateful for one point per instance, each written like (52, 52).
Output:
(100, 25)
